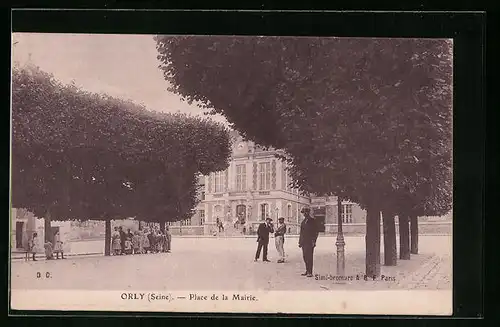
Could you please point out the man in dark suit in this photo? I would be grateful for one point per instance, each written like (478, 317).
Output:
(307, 240)
(263, 238)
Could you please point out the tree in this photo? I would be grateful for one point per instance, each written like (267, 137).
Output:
(78, 155)
(352, 114)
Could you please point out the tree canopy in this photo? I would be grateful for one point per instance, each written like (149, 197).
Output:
(365, 119)
(90, 156)
(357, 117)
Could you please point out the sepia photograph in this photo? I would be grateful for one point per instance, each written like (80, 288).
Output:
(239, 174)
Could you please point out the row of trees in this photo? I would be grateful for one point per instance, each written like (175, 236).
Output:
(365, 119)
(80, 156)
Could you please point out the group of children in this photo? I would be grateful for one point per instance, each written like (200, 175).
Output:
(140, 242)
(51, 248)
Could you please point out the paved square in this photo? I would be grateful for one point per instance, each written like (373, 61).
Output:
(227, 264)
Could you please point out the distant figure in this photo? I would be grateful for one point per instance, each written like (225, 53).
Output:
(34, 245)
(168, 239)
(58, 245)
(145, 241)
(279, 237)
(307, 240)
(263, 239)
(115, 242)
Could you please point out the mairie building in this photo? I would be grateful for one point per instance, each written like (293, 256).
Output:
(255, 186)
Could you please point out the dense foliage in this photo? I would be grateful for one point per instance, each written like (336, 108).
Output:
(366, 119)
(79, 155)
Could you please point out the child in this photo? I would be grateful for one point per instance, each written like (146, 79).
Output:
(128, 246)
(135, 243)
(145, 241)
(116, 246)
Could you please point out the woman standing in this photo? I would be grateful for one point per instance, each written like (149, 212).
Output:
(58, 245)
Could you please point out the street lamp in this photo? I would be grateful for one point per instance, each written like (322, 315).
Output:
(340, 240)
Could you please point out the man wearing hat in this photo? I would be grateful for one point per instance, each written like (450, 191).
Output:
(307, 240)
(279, 237)
(263, 238)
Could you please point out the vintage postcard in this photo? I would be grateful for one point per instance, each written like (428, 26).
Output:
(240, 174)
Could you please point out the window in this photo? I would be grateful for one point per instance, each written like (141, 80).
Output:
(218, 182)
(241, 177)
(347, 213)
(202, 217)
(264, 211)
(289, 212)
(288, 180)
(202, 195)
(186, 222)
(264, 176)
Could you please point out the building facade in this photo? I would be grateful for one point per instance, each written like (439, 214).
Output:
(256, 185)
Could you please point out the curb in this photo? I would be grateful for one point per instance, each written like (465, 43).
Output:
(42, 257)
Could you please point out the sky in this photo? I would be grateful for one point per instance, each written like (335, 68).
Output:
(123, 66)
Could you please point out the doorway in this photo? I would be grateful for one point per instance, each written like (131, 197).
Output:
(19, 234)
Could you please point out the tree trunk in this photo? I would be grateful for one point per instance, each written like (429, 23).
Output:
(414, 234)
(390, 248)
(404, 237)
(140, 225)
(48, 227)
(372, 241)
(162, 226)
(107, 238)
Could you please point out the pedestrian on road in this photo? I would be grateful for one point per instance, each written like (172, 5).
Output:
(279, 237)
(307, 240)
(58, 245)
(263, 239)
(168, 239)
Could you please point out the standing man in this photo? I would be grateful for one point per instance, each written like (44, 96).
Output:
(307, 240)
(263, 239)
(279, 237)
